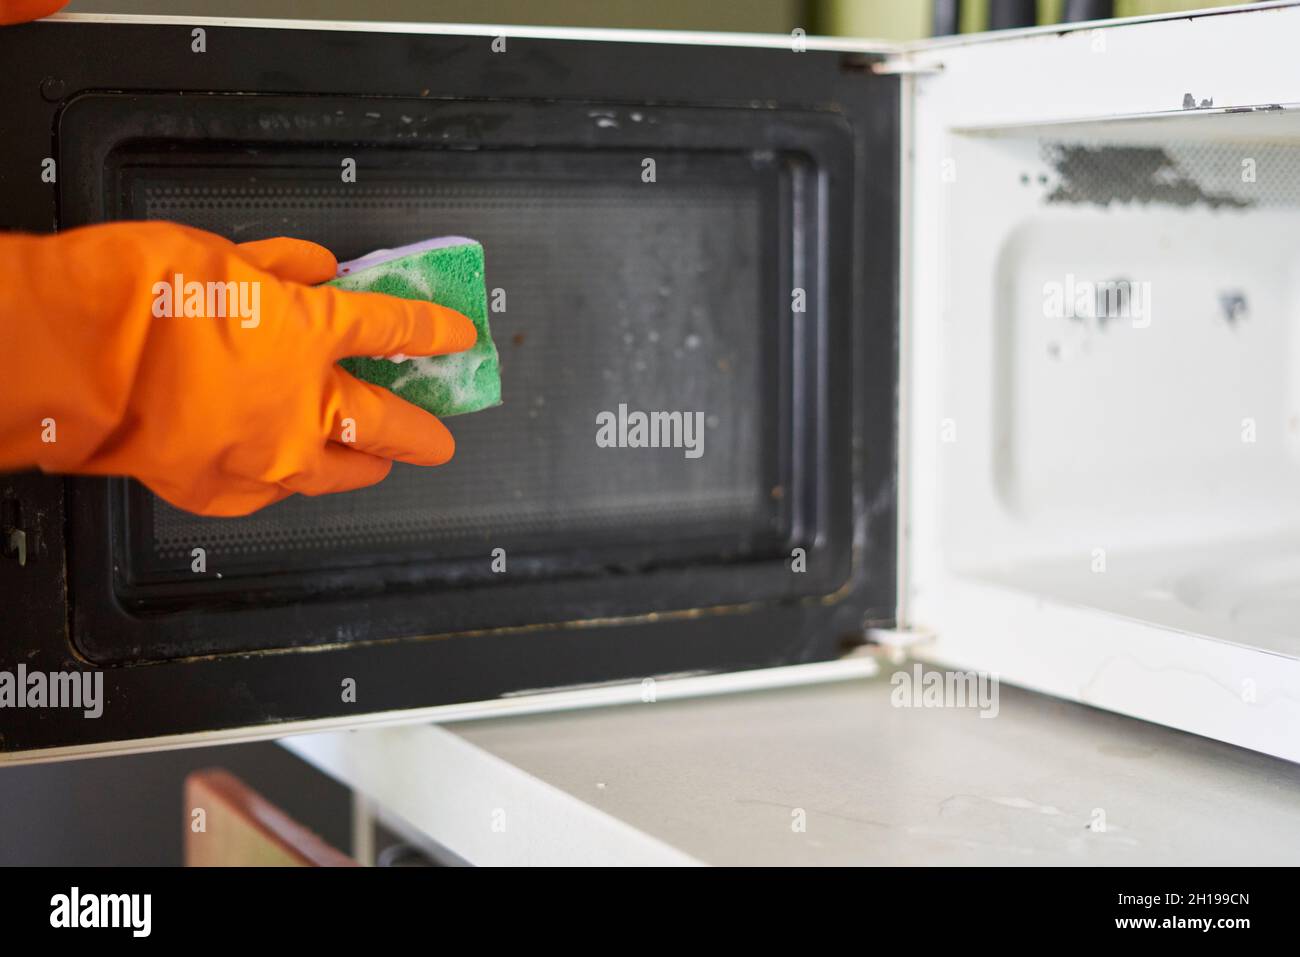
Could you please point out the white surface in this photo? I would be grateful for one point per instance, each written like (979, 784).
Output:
(479, 807)
(1127, 442)
(722, 780)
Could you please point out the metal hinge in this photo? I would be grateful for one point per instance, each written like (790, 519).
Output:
(895, 643)
(899, 66)
(887, 65)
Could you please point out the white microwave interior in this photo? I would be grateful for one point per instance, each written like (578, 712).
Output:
(1121, 369)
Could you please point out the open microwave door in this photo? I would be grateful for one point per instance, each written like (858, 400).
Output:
(694, 222)
(1101, 385)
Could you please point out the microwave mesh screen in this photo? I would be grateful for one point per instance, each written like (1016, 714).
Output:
(1177, 173)
(609, 294)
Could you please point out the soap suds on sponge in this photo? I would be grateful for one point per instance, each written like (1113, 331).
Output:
(448, 272)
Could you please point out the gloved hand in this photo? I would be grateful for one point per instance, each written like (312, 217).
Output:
(106, 374)
(20, 11)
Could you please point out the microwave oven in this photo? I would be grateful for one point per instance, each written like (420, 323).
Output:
(992, 338)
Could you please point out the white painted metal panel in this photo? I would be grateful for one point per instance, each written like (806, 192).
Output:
(978, 552)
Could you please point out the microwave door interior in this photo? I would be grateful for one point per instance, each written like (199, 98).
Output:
(706, 231)
(1103, 413)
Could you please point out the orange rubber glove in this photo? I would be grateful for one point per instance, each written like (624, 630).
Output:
(107, 374)
(20, 11)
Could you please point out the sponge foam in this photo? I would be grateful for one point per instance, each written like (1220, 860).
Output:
(449, 272)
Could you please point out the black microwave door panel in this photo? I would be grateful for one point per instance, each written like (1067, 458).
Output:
(774, 170)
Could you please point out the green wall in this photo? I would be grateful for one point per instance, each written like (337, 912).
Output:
(910, 19)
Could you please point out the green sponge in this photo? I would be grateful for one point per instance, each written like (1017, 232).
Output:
(449, 272)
